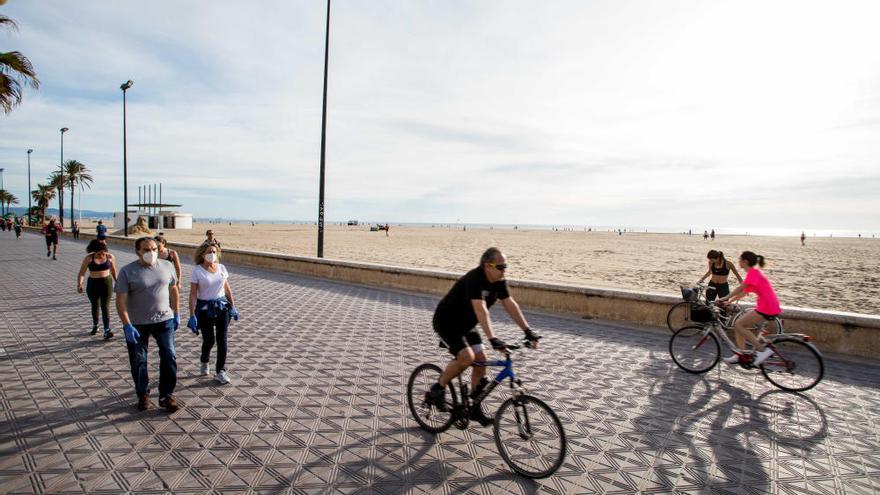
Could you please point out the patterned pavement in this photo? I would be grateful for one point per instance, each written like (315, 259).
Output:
(318, 404)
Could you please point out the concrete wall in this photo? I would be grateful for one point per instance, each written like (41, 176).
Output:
(836, 332)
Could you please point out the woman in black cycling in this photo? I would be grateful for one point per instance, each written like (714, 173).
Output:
(719, 271)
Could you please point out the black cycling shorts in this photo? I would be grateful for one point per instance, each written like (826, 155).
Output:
(51, 239)
(717, 290)
(456, 338)
(766, 316)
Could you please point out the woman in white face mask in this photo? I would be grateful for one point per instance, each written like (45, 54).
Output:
(211, 305)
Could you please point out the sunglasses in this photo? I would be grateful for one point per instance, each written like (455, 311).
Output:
(500, 267)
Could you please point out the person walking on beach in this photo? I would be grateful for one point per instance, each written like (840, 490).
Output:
(101, 266)
(705, 235)
(50, 232)
(211, 306)
(169, 255)
(719, 270)
(387, 230)
(712, 234)
(101, 229)
(210, 239)
(766, 308)
(75, 230)
(803, 238)
(456, 317)
(147, 303)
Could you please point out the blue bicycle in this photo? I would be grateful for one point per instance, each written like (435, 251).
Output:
(528, 434)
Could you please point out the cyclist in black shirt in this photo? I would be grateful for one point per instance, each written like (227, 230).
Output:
(457, 315)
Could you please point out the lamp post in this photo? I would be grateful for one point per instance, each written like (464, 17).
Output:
(61, 180)
(125, 86)
(2, 205)
(323, 140)
(29, 188)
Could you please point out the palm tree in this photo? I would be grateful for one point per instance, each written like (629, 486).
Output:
(57, 181)
(76, 173)
(10, 200)
(42, 195)
(16, 72)
(3, 195)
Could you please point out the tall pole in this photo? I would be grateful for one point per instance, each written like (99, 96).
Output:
(124, 87)
(323, 139)
(29, 188)
(2, 204)
(61, 180)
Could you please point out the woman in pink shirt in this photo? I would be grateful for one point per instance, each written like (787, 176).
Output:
(766, 308)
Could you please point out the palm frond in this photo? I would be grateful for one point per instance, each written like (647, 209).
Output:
(8, 23)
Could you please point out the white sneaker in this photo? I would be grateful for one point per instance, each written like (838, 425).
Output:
(223, 378)
(203, 369)
(762, 356)
(734, 359)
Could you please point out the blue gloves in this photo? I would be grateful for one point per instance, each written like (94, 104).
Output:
(233, 313)
(193, 324)
(131, 333)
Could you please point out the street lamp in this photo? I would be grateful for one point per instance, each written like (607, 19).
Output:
(29, 188)
(2, 205)
(61, 180)
(124, 87)
(323, 140)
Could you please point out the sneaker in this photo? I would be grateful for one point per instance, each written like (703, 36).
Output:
(437, 397)
(169, 403)
(223, 378)
(54, 258)
(480, 417)
(94, 330)
(144, 403)
(734, 359)
(203, 369)
(762, 356)
(107, 334)
(48, 253)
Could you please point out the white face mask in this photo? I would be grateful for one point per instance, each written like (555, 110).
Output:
(211, 257)
(150, 257)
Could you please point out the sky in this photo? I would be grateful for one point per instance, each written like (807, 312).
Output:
(679, 114)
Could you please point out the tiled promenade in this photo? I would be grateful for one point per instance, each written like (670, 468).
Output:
(318, 403)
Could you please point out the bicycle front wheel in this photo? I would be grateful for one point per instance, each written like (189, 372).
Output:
(694, 350)
(530, 437)
(794, 366)
(679, 315)
(426, 415)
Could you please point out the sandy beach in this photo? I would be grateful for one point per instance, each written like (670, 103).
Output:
(840, 274)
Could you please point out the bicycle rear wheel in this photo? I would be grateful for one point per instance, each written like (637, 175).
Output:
(794, 366)
(679, 315)
(530, 437)
(428, 416)
(694, 350)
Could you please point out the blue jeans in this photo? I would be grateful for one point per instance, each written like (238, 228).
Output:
(137, 357)
(214, 330)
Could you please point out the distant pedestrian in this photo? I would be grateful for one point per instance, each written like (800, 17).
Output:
(705, 235)
(689, 232)
(101, 266)
(50, 231)
(211, 305)
(147, 303)
(387, 229)
(168, 254)
(9, 225)
(712, 234)
(17, 227)
(101, 229)
(803, 238)
(210, 239)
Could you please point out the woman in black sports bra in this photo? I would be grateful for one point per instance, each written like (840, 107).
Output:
(102, 273)
(719, 270)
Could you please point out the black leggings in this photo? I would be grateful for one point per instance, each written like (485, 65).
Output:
(214, 330)
(99, 291)
(717, 290)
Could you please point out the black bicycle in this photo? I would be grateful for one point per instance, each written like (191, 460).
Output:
(528, 434)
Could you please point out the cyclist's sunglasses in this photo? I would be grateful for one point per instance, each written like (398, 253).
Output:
(499, 267)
